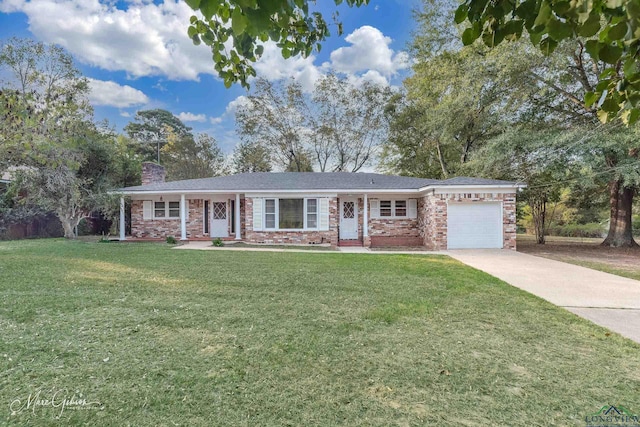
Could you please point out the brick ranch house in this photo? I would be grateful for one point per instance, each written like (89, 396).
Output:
(340, 208)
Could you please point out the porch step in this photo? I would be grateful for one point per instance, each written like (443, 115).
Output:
(355, 242)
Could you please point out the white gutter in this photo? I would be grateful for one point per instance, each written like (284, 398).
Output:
(186, 191)
(469, 187)
(316, 191)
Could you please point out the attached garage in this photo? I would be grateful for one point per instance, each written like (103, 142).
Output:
(474, 225)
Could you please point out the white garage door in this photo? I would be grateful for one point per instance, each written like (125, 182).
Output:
(474, 225)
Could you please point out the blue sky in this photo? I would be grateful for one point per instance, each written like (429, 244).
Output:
(137, 55)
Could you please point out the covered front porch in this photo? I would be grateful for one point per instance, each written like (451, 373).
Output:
(185, 216)
(378, 220)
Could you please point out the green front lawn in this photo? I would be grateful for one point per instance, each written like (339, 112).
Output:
(203, 338)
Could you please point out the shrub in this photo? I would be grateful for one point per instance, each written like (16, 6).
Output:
(218, 242)
(171, 240)
(592, 229)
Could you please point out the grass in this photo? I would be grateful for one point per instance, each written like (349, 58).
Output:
(202, 338)
(585, 252)
(630, 272)
(529, 238)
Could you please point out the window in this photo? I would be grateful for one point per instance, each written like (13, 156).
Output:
(166, 210)
(174, 209)
(312, 213)
(219, 210)
(348, 210)
(395, 209)
(385, 208)
(159, 210)
(270, 213)
(291, 214)
(400, 208)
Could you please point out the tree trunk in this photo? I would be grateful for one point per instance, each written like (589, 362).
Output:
(443, 166)
(69, 223)
(68, 229)
(620, 223)
(539, 215)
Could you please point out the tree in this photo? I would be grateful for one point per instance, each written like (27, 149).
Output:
(536, 91)
(150, 129)
(293, 26)
(449, 81)
(64, 160)
(275, 116)
(456, 84)
(536, 157)
(337, 128)
(71, 177)
(191, 158)
(251, 157)
(347, 123)
(127, 164)
(613, 162)
(608, 30)
(42, 95)
(302, 163)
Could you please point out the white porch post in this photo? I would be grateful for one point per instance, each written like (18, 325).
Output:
(122, 225)
(365, 219)
(237, 216)
(183, 218)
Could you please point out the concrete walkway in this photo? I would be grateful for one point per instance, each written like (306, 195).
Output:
(605, 299)
(207, 246)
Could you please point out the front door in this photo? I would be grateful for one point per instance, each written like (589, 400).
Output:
(348, 218)
(219, 223)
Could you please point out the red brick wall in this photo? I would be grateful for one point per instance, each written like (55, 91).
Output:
(152, 173)
(433, 217)
(394, 232)
(161, 228)
(292, 237)
(429, 229)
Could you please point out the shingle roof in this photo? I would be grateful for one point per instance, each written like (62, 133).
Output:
(275, 181)
(465, 180)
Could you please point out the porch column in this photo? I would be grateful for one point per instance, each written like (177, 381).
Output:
(122, 225)
(237, 217)
(365, 219)
(183, 217)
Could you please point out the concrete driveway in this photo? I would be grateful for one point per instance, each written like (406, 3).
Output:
(605, 299)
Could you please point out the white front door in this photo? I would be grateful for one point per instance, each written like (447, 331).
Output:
(348, 218)
(219, 222)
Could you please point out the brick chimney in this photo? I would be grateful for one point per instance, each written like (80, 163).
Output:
(152, 173)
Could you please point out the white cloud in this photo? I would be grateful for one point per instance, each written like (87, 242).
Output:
(190, 117)
(235, 104)
(125, 114)
(272, 66)
(112, 94)
(371, 76)
(369, 50)
(230, 112)
(368, 58)
(146, 39)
